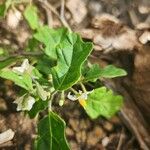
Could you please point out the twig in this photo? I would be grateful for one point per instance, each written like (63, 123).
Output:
(120, 139)
(6, 136)
(135, 128)
(62, 15)
(129, 143)
(21, 54)
(6, 144)
(49, 17)
(62, 9)
(49, 6)
(133, 17)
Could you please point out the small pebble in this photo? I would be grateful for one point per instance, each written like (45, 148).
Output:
(69, 132)
(3, 106)
(74, 124)
(115, 120)
(98, 131)
(108, 126)
(105, 141)
(13, 18)
(74, 145)
(81, 136)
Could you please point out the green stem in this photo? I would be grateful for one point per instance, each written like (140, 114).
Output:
(74, 91)
(62, 99)
(83, 87)
(50, 101)
(21, 54)
(50, 105)
(63, 95)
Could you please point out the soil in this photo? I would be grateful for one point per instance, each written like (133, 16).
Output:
(82, 132)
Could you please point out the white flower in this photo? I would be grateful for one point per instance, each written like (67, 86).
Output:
(72, 97)
(81, 97)
(41, 92)
(24, 102)
(25, 66)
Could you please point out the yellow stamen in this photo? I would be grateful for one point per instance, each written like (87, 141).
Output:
(82, 102)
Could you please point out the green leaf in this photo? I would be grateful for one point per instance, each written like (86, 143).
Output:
(1, 51)
(23, 81)
(4, 7)
(37, 107)
(7, 62)
(27, 81)
(31, 16)
(70, 52)
(32, 45)
(2, 10)
(36, 74)
(45, 64)
(41, 92)
(71, 56)
(51, 38)
(51, 134)
(102, 102)
(109, 71)
(93, 73)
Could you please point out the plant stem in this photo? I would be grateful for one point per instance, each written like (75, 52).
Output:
(50, 105)
(54, 11)
(62, 99)
(21, 54)
(83, 87)
(63, 95)
(74, 91)
(50, 100)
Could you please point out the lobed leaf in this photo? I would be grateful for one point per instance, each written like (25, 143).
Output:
(109, 71)
(102, 102)
(23, 81)
(70, 59)
(68, 50)
(51, 38)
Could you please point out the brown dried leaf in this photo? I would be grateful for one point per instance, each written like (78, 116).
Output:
(144, 32)
(108, 33)
(145, 37)
(78, 10)
(13, 18)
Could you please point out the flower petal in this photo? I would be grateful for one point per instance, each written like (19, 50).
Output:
(83, 96)
(24, 102)
(24, 66)
(72, 97)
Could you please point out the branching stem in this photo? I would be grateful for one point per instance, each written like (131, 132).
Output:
(83, 87)
(74, 91)
(21, 54)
